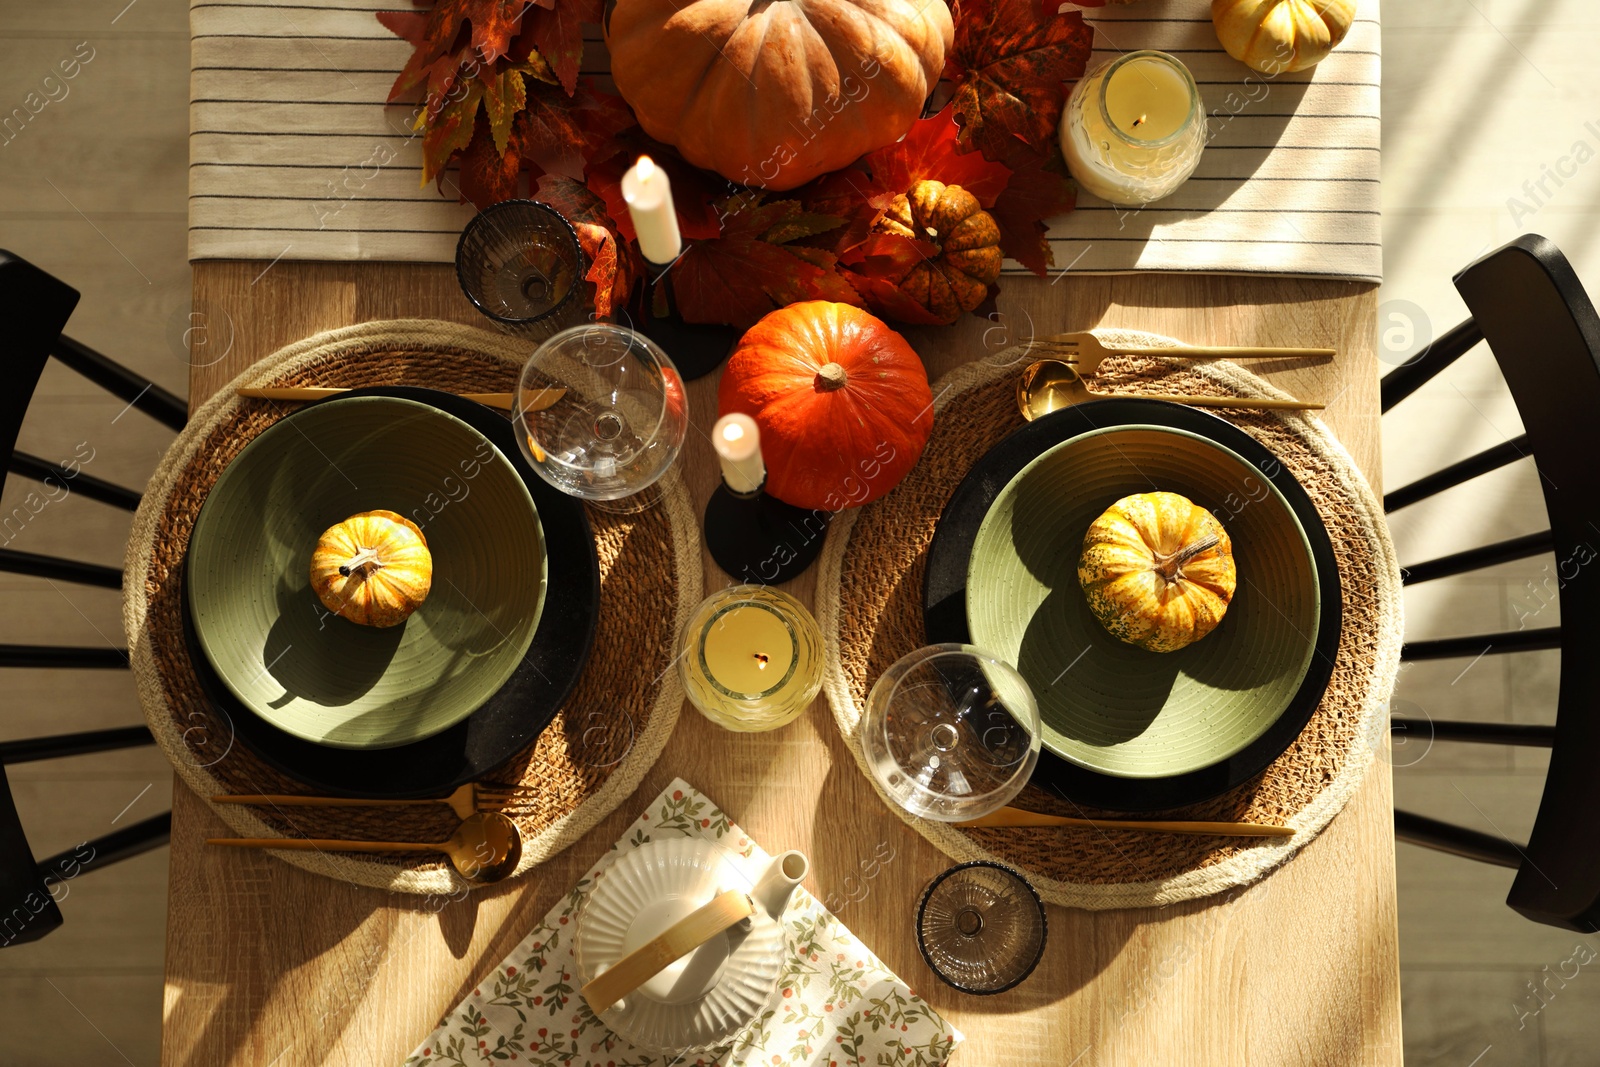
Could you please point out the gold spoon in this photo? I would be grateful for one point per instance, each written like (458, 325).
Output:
(484, 849)
(1049, 385)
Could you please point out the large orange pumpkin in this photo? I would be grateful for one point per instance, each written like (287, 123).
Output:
(776, 92)
(842, 402)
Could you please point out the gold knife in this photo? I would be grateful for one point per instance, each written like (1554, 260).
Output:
(1018, 817)
(537, 400)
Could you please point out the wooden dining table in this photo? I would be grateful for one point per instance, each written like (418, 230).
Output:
(271, 966)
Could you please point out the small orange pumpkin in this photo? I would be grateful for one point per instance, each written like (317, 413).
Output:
(1158, 571)
(967, 238)
(374, 568)
(841, 400)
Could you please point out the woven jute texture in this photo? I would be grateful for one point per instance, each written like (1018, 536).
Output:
(592, 756)
(870, 606)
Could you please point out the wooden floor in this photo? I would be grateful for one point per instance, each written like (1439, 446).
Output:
(1478, 95)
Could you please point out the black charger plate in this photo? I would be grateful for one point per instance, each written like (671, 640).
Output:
(944, 593)
(509, 720)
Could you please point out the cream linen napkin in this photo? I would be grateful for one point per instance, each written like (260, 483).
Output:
(837, 1003)
(294, 155)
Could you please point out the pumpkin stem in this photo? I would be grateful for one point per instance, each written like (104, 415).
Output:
(832, 376)
(1170, 565)
(363, 558)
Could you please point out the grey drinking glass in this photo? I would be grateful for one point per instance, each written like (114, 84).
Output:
(520, 263)
(981, 927)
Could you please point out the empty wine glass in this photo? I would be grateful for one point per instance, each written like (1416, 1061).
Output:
(617, 423)
(520, 263)
(981, 927)
(951, 732)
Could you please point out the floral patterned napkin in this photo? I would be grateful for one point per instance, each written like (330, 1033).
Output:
(837, 1004)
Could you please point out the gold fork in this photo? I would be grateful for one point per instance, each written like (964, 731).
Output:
(1087, 351)
(468, 800)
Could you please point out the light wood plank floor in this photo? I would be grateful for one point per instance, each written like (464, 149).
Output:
(1478, 97)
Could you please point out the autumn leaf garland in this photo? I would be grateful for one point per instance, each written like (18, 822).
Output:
(502, 95)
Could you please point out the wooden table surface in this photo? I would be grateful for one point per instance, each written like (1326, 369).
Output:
(270, 965)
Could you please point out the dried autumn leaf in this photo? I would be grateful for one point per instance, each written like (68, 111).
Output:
(1009, 64)
(741, 275)
(613, 264)
(443, 35)
(878, 265)
(1039, 189)
(555, 28)
(488, 175)
(561, 132)
(930, 149)
(450, 130)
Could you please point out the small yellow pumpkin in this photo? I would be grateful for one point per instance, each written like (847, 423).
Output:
(373, 568)
(1280, 36)
(1157, 570)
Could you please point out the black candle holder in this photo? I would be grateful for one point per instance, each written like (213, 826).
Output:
(696, 348)
(759, 539)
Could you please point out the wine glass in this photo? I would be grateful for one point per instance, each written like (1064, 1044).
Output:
(981, 927)
(951, 732)
(618, 422)
(520, 263)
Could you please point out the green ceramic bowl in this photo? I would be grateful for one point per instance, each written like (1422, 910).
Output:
(308, 671)
(1109, 706)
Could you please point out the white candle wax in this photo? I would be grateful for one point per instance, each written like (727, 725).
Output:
(648, 195)
(1133, 131)
(737, 443)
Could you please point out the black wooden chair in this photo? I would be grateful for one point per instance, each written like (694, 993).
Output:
(1529, 306)
(34, 307)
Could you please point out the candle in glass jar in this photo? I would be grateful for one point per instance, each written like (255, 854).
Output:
(648, 194)
(737, 442)
(751, 658)
(1132, 130)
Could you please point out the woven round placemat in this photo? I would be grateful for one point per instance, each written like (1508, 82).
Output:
(611, 729)
(869, 601)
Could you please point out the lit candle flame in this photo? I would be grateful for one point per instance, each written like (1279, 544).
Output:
(761, 661)
(646, 168)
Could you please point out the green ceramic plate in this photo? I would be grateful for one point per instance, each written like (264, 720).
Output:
(1109, 706)
(310, 672)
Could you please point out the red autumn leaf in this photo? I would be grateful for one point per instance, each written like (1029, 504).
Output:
(561, 132)
(1039, 189)
(696, 194)
(1009, 65)
(878, 265)
(741, 275)
(447, 29)
(555, 28)
(487, 175)
(930, 150)
(613, 266)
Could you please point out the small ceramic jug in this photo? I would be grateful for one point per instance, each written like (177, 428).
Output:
(705, 997)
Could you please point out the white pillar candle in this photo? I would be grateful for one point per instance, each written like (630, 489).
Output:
(1133, 130)
(737, 442)
(648, 195)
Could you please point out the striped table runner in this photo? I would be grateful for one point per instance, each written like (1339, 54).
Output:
(294, 154)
